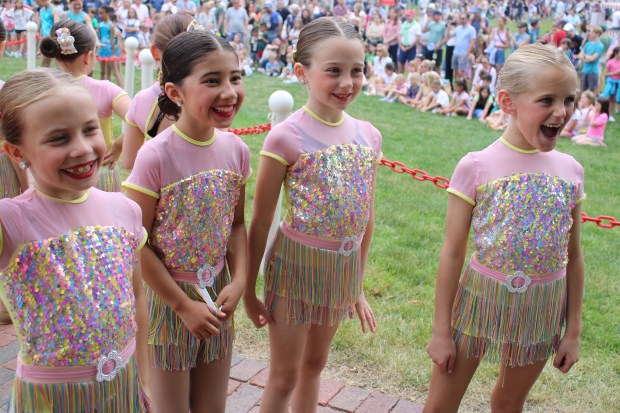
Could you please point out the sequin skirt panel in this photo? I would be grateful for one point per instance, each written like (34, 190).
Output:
(172, 345)
(318, 286)
(514, 329)
(121, 395)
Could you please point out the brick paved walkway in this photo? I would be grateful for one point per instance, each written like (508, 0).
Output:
(245, 387)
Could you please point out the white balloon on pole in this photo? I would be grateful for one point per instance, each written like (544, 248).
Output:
(146, 64)
(31, 42)
(131, 46)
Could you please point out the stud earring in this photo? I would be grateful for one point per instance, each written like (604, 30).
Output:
(23, 164)
(179, 103)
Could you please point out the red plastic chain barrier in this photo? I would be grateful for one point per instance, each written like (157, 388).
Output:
(24, 40)
(602, 221)
(253, 130)
(417, 174)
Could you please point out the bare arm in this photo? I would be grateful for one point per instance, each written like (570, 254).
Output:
(568, 352)
(442, 349)
(133, 141)
(268, 183)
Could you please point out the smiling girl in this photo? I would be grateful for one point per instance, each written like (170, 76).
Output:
(314, 269)
(518, 301)
(190, 183)
(69, 263)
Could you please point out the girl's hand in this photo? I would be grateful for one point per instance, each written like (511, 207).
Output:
(256, 311)
(199, 319)
(112, 155)
(568, 354)
(442, 351)
(365, 314)
(229, 298)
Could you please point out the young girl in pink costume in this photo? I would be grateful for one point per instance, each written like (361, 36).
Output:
(190, 182)
(524, 282)
(69, 264)
(144, 119)
(72, 45)
(595, 135)
(314, 269)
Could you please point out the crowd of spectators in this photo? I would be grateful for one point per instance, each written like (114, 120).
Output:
(441, 56)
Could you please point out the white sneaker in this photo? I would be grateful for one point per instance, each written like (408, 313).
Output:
(612, 119)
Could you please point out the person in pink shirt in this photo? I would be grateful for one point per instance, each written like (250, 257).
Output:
(190, 183)
(144, 120)
(70, 272)
(612, 82)
(595, 135)
(314, 267)
(72, 45)
(461, 101)
(518, 301)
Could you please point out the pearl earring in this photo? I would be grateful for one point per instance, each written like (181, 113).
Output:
(23, 164)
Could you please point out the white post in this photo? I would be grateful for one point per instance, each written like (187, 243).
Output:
(280, 104)
(146, 64)
(131, 45)
(31, 43)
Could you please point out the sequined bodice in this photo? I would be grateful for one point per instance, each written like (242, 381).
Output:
(194, 218)
(522, 222)
(329, 192)
(72, 296)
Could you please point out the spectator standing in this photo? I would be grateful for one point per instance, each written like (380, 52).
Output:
(409, 36)
(465, 39)
(502, 39)
(341, 9)
(450, 43)
(436, 28)
(206, 16)
(170, 6)
(571, 34)
(480, 24)
(188, 6)
(283, 11)
(141, 9)
(391, 31)
(374, 30)
(590, 56)
(522, 37)
(76, 13)
(272, 20)
(235, 20)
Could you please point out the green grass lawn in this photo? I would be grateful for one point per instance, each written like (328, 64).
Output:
(403, 260)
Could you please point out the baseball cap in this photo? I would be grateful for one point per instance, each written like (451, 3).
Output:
(267, 5)
(436, 13)
(410, 13)
(568, 27)
(432, 6)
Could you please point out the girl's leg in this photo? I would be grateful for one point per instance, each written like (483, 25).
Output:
(286, 348)
(447, 390)
(306, 395)
(22, 46)
(170, 390)
(512, 387)
(209, 386)
(103, 66)
(118, 74)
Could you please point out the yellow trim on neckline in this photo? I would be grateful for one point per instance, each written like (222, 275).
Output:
(193, 141)
(79, 200)
(320, 119)
(514, 148)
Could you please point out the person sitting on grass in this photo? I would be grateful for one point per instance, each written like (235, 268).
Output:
(273, 66)
(424, 95)
(397, 89)
(481, 104)
(439, 99)
(415, 81)
(461, 101)
(598, 121)
(579, 122)
(380, 83)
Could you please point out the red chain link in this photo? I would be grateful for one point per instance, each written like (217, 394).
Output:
(258, 129)
(603, 221)
(21, 41)
(417, 174)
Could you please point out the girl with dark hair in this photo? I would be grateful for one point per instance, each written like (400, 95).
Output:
(190, 183)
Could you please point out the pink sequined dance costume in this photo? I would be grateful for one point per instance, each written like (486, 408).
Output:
(198, 185)
(510, 305)
(314, 262)
(66, 279)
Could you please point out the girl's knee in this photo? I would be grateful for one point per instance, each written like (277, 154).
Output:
(314, 365)
(283, 381)
(502, 404)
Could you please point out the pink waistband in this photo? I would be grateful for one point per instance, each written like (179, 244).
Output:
(500, 276)
(344, 246)
(105, 370)
(209, 271)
